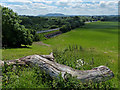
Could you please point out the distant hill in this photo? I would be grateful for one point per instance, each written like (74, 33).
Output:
(53, 14)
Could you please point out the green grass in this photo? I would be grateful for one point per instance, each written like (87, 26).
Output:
(100, 35)
(13, 53)
(99, 41)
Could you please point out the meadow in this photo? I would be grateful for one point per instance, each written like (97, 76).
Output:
(96, 43)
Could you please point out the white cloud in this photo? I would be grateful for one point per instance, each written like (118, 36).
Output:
(36, 7)
(32, 8)
(102, 8)
(61, 3)
(3, 4)
(48, 2)
(38, 0)
(45, 1)
(23, 1)
(108, 3)
(69, 1)
(41, 5)
(18, 8)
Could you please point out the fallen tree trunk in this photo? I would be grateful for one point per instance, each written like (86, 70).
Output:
(47, 64)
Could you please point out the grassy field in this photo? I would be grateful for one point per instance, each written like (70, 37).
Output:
(99, 41)
(99, 37)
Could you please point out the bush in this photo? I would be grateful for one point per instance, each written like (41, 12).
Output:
(65, 28)
(36, 37)
(14, 34)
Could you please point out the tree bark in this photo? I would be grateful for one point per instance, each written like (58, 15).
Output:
(47, 64)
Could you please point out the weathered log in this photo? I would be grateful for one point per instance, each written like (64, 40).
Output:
(47, 64)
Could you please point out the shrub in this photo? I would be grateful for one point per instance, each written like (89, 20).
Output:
(65, 28)
(14, 34)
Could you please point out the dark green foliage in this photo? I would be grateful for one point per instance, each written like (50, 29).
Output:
(109, 18)
(64, 29)
(72, 23)
(14, 34)
(37, 37)
(35, 23)
(44, 23)
(53, 26)
(105, 18)
(24, 77)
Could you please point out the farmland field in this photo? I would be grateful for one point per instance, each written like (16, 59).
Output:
(99, 41)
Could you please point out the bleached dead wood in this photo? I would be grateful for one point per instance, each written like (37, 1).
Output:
(47, 64)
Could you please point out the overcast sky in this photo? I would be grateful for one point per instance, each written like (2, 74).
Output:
(67, 7)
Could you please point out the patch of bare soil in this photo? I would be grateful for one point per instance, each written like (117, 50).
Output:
(41, 43)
